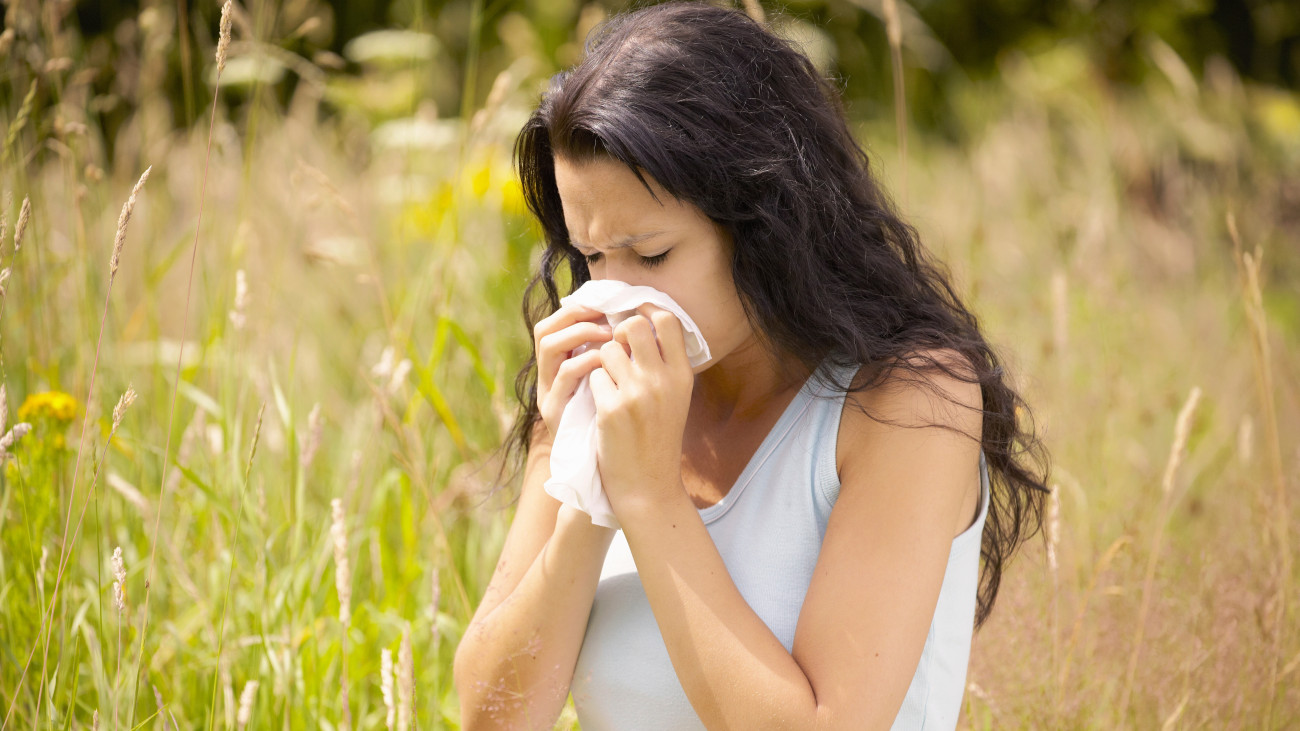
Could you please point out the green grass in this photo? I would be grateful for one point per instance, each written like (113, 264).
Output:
(351, 247)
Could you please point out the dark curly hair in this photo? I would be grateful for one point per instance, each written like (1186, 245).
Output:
(731, 118)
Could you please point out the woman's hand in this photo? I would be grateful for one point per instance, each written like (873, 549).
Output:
(559, 372)
(642, 400)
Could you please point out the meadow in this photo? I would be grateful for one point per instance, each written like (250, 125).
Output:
(314, 301)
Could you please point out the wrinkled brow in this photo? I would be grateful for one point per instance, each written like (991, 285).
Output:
(625, 243)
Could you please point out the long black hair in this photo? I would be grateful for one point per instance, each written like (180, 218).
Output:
(734, 120)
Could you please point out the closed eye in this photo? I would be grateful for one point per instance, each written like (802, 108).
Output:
(648, 262)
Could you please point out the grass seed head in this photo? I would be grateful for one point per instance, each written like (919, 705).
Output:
(237, 318)
(405, 683)
(223, 40)
(386, 685)
(311, 440)
(21, 227)
(342, 572)
(119, 585)
(246, 698)
(122, 220)
(1182, 429)
(11, 437)
(40, 573)
(123, 404)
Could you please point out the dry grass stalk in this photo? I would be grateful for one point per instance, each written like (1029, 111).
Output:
(246, 699)
(23, 216)
(1104, 563)
(40, 572)
(237, 317)
(12, 436)
(119, 580)
(122, 220)
(119, 601)
(162, 707)
(20, 121)
(405, 683)
(1182, 429)
(501, 86)
(1248, 268)
(223, 38)
(180, 352)
(386, 686)
(342, 572)
(128, 492)
(229, 704)
(1171, 722)
(234, 546)
(123, 404)
(20, 228)
(343, 586)
(755, 10)
(311, 440)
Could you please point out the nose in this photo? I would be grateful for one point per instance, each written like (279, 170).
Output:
(622, 272)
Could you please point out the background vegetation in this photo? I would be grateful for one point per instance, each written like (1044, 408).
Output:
(342, 323)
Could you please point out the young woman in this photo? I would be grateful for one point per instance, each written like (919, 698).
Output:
(804, 515)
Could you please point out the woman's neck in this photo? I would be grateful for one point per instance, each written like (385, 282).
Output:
(742, 386)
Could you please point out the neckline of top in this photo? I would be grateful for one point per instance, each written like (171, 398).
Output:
(792, 412)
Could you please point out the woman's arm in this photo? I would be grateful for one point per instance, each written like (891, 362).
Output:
(864, 620)
(514, 665)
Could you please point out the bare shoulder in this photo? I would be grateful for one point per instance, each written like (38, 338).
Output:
(920, 412)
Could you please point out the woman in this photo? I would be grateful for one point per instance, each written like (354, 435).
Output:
(803, 516)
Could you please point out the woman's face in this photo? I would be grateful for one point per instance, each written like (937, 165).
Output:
(668, 244)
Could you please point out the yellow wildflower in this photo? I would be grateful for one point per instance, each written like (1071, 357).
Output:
(512, 197)
(52, 405)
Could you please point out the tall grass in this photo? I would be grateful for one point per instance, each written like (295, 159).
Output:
(354, 327)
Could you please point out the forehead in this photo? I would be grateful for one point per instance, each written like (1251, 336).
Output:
(603, 188)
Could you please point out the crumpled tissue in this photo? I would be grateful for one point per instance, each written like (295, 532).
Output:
(575, 477)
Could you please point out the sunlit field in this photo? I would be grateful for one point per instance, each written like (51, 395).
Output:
(316, 304)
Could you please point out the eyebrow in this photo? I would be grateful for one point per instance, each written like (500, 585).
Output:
(625, 243)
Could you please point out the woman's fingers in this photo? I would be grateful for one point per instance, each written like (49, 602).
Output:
(564, 317)
(672, 337)
(637, 333)
(570, 374)
(553, 348)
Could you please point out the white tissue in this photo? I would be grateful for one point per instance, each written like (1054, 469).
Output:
(575, 479)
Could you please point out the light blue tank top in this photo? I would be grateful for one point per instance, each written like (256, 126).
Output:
(768, 529)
